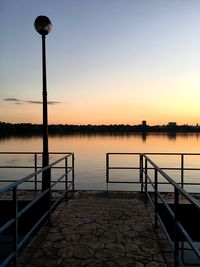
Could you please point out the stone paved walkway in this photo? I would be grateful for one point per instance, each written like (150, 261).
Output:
(107, 229)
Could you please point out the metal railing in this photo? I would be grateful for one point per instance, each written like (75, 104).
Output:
(110, 168)
(11, 227)
(139, 166)
(37, 164)
(180, 233)
(151, 178)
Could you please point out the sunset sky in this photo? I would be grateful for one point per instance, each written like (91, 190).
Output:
(108, 61)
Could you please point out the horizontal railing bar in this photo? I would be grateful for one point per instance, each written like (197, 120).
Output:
(185, 183)
(40, 181)
(110, 168)
(160, 183)
(154, 153)
(122, 168)
(11, 181)
(16, 167)
(151, 168)
(53, 181)
(122, 153)
(32, 153)
(29, 167)
(179, 169)
(125, 182)
(167, 183)
(29, 181)
(179, 183)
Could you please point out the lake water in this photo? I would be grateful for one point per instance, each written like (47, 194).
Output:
(90, 154)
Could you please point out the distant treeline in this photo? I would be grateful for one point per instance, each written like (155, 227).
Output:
(28, 129)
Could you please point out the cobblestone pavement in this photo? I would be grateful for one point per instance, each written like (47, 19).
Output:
(97, 230)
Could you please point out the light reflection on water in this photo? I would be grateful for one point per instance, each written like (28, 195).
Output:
(90, 153)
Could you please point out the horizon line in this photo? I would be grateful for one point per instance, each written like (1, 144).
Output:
(121, 124)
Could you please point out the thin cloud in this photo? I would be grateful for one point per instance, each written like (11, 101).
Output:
(12, 99)
(53, 102)
(18, 101)
(40, 102)
(33, 102)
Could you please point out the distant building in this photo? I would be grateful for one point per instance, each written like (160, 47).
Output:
(144, 123)
(172, 124)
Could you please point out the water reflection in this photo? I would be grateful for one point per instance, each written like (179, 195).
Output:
(143, 135)
(172, 136)
(90, 150)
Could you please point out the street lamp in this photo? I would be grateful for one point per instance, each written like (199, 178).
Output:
(43, 26)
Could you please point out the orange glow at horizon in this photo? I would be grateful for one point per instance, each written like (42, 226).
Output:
(115, 115)
(156, 101)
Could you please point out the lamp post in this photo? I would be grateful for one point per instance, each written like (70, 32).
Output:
(43, 26)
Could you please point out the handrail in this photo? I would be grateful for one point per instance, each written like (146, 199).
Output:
(35, 166)
(152, 194)
(172, 182)
(44, 196)
(178, 226)
(108, 167)
(28, 177)
(181, 168)
(31, 153)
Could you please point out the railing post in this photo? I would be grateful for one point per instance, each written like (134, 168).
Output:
(107, 168)
(156, 197)
(176, 237)
(182, 170)
(145, 187)
(73, 175)
(15, 228)
(141, 172)
(35, 156)
(66, 178)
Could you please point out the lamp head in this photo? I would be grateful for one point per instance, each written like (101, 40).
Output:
(43, 25)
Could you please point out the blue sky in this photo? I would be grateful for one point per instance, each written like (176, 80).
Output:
(108, 61)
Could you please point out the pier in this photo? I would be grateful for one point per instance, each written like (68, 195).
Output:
(61, 226)
(98, 229)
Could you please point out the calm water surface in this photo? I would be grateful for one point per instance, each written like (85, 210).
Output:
(90, 155)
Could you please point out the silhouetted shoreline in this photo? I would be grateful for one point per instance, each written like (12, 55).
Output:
(28, 129)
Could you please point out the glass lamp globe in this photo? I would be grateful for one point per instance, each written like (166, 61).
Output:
(43, 25)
